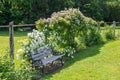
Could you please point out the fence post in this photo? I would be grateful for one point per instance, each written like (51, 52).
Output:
(11, 40)
(114, 25)
(98, 26)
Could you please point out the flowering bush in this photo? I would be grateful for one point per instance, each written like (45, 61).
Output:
(64, 29)
(35, 41)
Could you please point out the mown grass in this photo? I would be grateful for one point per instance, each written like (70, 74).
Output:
(100, 62)
(4, 39)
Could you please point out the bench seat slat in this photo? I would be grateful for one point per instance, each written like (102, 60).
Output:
(48, 60)
(36, 55)
(42, 54)
(40, 57)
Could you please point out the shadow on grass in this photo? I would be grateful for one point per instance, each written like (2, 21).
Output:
(83, 54)
(16, 33)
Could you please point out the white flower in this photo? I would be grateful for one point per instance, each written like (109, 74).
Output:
(36, 41)
(27, 48)
(72, 56)
(26, 51)
(34, 30)
(29, 35)
(39, 39)
(26, 43)
(36, 37)
(20, 50)
(19, 57)
(68, 54)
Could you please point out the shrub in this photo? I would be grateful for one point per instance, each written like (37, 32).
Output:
(109, 34)
(102, 24)
(5, 64)
(93, 37)
(63, 27)
(23, 72)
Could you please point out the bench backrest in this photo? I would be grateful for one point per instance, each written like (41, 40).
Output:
(41, 54)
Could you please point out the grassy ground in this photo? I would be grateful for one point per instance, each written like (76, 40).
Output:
(95, 63)
(4, 39)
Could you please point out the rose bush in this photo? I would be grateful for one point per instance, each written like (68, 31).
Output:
(65, 29)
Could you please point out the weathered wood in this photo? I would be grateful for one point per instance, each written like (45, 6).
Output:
(112, 22)
(42, 53)
(27, 28)
(11, 39)
(19, 25)
(114, 26)
(2, 26)
(24, 25)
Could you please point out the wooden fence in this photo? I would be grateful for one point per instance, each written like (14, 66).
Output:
(112, 23)
(11, 37)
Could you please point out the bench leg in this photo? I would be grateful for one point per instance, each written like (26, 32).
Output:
(43, 69)
(52, 63)
(61, 61)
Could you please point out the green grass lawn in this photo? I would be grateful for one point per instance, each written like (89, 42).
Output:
(95, 63)
(4, 39)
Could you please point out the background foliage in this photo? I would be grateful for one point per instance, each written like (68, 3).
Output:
(25, 11)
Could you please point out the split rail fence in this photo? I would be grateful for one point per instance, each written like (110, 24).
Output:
(114, 26)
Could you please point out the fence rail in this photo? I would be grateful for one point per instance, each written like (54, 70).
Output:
(4, 26)
(25, 25)
(112, 22)
(20, 25)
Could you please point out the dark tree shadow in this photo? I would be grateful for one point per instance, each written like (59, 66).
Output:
(83, 54)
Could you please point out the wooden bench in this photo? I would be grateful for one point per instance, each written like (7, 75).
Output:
(42, 57)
